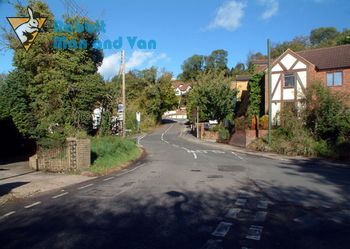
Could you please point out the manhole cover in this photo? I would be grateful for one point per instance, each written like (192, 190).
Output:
(230, 168)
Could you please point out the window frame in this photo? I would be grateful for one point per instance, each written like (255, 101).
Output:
(333, 79)
(284, 80)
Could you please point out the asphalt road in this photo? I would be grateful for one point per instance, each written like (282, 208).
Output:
(188, 195)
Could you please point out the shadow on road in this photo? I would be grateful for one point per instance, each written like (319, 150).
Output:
(175, 219)
(7, 187)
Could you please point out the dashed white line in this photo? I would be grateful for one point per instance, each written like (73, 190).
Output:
(86, 186)
(9, 213)
(32, 205)
(235, 154)
(109, 178)
(60, 195)
(131, 170)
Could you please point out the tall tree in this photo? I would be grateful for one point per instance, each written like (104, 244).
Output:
(297, 44)
(192, 67)
(213, 96)
(217, 61)
(323, 35)
(63, 86)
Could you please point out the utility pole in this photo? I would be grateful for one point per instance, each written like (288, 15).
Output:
(123, 82)
(269, 89)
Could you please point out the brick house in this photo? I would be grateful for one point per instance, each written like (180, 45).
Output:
(293, 72)
(181, 88)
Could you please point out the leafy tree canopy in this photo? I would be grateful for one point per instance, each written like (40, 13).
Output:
(214, 97)
(58, 87)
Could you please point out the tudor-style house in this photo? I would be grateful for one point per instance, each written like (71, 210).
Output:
(293, 72)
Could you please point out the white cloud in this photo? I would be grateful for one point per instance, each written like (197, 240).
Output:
(138, 58)
(228, 16)
(160, 57)
(272, 7)
(111, 64)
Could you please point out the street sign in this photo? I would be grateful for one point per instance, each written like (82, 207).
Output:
(138, 117)
(120, 108)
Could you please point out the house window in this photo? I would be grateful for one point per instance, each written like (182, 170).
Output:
(335, 79)
(289, 80)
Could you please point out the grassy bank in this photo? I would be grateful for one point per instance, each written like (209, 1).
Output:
(111, 152)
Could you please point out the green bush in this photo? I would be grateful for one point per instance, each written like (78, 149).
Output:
(322, 148)
(224, 134)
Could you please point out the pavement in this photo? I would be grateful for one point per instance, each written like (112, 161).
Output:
(186, 194)
(18, 181)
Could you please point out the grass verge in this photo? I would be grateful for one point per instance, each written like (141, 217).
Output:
(112, 152)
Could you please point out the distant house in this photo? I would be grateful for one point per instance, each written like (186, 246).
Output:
(181, 88)
(241, 85)
(293, 72)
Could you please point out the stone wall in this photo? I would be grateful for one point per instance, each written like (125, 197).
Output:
(74, 156)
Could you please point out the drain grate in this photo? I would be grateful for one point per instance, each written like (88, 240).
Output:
(231, 168)
(195, 170)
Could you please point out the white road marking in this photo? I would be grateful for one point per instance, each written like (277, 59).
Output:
(32, 205)
(235, 154)
(175, 145)
(140, 138)
(202, 151)
(9, 213)
(129, 171)
(194, 154)
(89, 185)
(254, 232)
(162, 136)
(165, 141)
(60, 195)
(222, 229)
(109, 178)
(187, 150)
(241, 202)
(217, 151)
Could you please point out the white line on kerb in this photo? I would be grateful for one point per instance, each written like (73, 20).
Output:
(9, 213)
(60, 195)
(89, 185)
(237, 155)
(32, 205)
(109, 178)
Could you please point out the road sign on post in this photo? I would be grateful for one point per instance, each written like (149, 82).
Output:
(138, 119)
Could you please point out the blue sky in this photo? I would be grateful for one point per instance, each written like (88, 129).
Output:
(186, 27)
